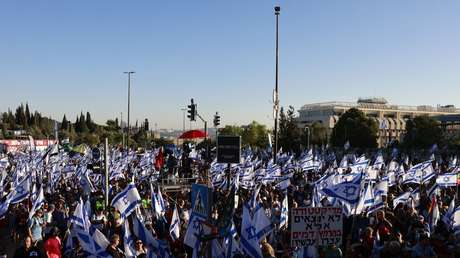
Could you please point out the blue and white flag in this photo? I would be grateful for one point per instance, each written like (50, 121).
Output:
(158, 203)
(127, 200)
(174, 228)
(5, 205)
(195, 230)
(232, 247)
(37, 203)
(80, 216)
(346, 191)
(447, 218)
(284, 212)
(446, 180)
(216, 249)
(128, 241)
(143, 233)
(93, 242)
(403, 198)
(456, 221)
(249, 240)
(21, 191)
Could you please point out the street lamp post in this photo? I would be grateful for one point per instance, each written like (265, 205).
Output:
(276, 96)
(129, 100)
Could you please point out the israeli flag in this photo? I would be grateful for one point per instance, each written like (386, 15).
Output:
(232, 247)
(21, 191)
(346, 191)
(403, 198)
(249, 240)
(143, 233)
(80, 216)
(127, 200)
(447, 218)
(379, 162)
(158, 203)
(37, 203)
(284, 212)
(128, 241)
(447, 180)
(216, 249)
(5, 205)
(174, 228)
(93, 242)
(194, 231)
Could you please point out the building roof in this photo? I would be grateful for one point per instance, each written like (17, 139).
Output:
(379, 103)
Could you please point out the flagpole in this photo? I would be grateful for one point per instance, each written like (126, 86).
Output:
(276, 96)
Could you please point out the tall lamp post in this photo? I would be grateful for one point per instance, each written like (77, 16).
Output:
(129, 100)
(276, 96)
(308, 137)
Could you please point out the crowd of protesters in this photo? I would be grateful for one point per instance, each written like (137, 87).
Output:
(401, 231)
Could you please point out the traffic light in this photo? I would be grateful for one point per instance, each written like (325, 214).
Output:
(191, 111)
(216, 120)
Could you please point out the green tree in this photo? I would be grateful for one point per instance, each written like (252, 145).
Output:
(318, 134)
(64, 124)
(89, 122)
(289, 135)
(422, 132)
(231, 130)
(28, 118)
(355, 127)
(255, 135)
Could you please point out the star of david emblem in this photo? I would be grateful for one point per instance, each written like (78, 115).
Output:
(350, 190)
(197, 226)
(446, 179)
(251, 232)
(125, 200)
(20, 189)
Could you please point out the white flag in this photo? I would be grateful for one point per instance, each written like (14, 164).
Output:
(127, 200)
(174, 228)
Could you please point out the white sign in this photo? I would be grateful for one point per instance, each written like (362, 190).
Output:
(319, 226)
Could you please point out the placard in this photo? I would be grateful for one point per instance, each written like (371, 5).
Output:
(319, 226)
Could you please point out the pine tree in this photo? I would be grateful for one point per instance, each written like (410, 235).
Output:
(77, 125)
(28, 118)
(89, 122)
(83, 126)
(64, 123)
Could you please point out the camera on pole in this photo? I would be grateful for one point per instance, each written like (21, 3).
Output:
(191, 111)
(216, 120)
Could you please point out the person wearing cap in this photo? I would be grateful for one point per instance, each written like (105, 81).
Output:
(423, 249)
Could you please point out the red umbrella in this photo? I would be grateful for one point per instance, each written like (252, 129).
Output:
(193, 134)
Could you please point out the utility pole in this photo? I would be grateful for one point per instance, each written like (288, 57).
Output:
(122, 131)
(129, 100)
(276, 94)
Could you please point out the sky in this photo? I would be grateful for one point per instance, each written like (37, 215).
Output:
(64, 57)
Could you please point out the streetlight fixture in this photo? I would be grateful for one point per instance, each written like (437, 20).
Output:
(129, 100)
(275, 95)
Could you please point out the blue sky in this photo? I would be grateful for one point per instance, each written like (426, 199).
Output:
(69, 56)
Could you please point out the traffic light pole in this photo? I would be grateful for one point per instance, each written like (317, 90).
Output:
(205, 133)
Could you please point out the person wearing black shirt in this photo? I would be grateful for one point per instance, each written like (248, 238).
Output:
(28, 250)
(112, 248)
